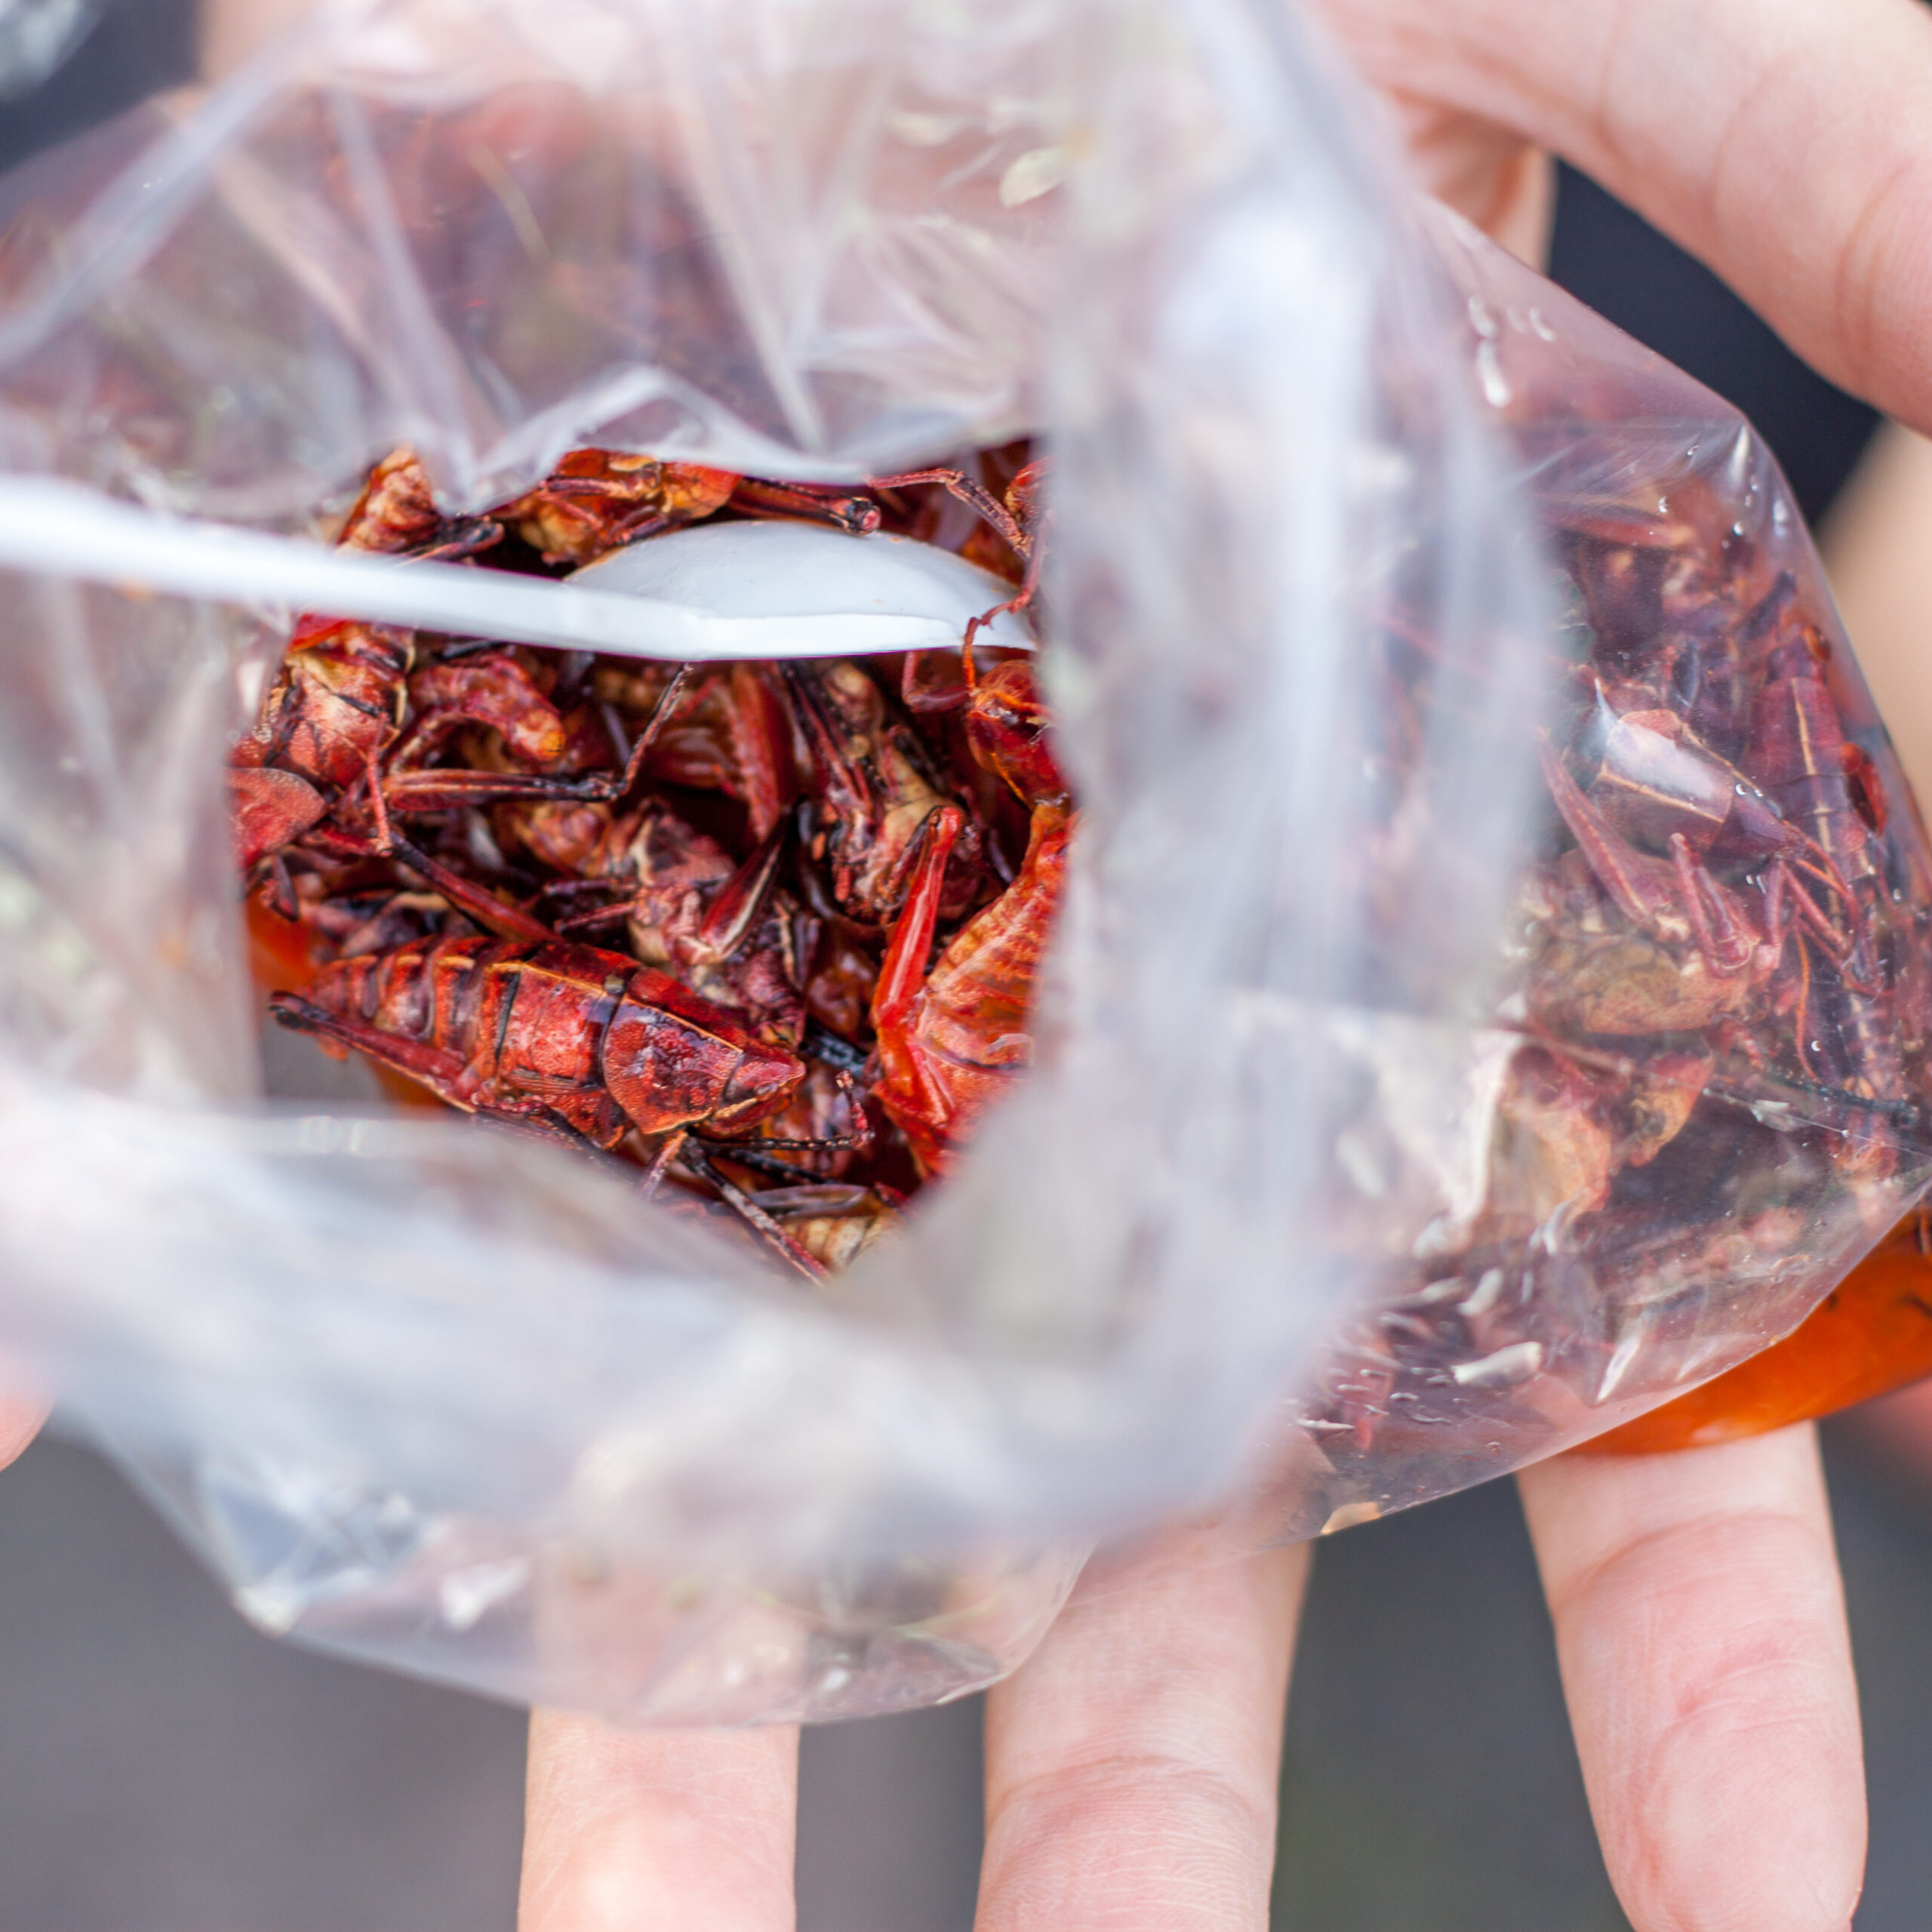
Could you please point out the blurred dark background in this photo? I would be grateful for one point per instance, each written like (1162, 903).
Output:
(164, 1769)
(130, 48)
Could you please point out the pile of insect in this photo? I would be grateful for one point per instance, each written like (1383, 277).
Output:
(803, 803)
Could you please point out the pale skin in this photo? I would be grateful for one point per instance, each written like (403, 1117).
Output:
(1131, 1763)
(1876, 543)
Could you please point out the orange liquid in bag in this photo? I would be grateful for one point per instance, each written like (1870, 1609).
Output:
(279, 962)
(1871, 1334)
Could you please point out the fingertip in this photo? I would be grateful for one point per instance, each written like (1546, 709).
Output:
(1132, 1763)
(625, 1829)
(1745, 1806)
(1700, 1625)
(1780, 141)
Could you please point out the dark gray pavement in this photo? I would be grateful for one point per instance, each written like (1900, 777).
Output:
(163, 1768)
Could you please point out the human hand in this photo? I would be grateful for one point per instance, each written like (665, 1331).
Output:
(1779, 141)
(1131, 1765)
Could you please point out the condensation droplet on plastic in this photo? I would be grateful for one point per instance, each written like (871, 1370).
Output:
(1495, 389)
(1034, 173)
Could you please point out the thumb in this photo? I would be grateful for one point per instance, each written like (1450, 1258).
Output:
(1784, 142)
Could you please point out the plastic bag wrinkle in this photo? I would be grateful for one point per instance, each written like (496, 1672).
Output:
(449, 1402)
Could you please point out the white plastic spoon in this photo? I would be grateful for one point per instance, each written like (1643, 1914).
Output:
(774, 569)
(734, 596)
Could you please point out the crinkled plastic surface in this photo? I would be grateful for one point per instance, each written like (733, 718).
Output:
(1707, 1086)
(435, 1397)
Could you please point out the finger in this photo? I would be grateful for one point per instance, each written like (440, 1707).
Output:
(232, 30)
(1700, 1627)
(1870, 543)
(1489, 175)
(1519, 210)
(1780, 140)
(1131, 1765)
(633, 1831)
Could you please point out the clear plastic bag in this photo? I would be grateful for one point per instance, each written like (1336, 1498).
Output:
(1708, 1100)
(463, 1405)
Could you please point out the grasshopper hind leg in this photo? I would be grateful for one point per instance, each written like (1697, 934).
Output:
(441, 1072)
